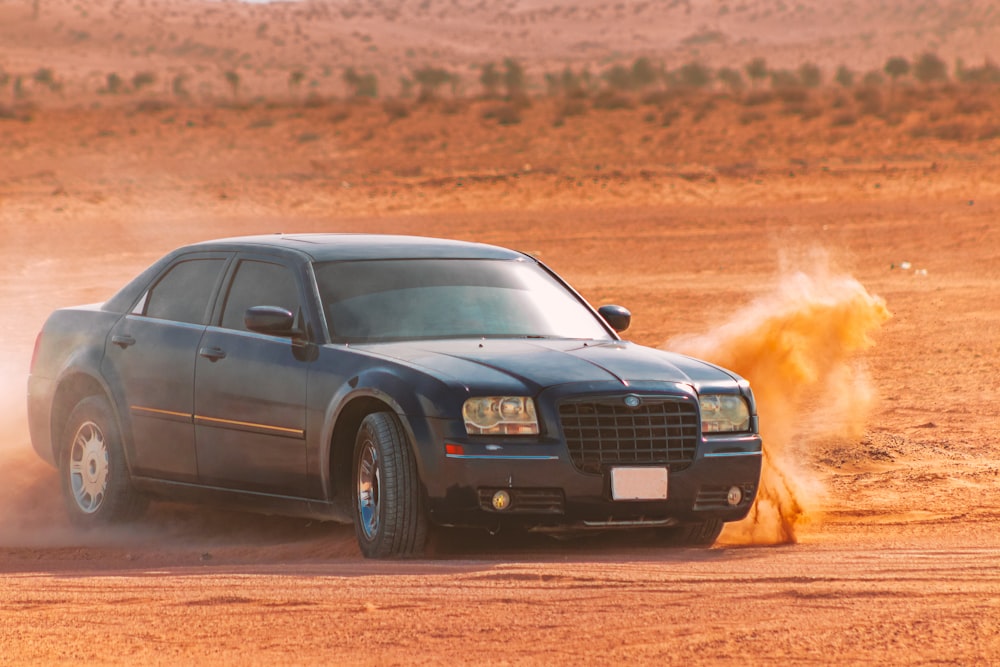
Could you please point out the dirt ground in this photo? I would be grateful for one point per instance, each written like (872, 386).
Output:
(850, 272)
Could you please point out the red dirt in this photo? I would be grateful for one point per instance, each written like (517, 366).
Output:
(884, 429)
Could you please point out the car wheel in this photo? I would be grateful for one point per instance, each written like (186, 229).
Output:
(95, 481)
(701, 534)
(389, 516)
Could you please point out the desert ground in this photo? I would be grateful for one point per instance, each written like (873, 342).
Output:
(844, 258)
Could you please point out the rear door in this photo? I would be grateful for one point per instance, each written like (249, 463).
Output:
(250, 388)
(150, 360)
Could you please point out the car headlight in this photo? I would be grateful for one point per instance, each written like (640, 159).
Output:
(724, 413)
(500, 415)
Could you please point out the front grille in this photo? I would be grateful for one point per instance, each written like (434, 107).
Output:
(526, 501)
(604, 432)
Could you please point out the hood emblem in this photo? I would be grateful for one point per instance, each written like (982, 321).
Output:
(633, 401)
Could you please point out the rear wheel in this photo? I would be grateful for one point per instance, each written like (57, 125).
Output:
(95, 482)
(702, 534)
(389, 516)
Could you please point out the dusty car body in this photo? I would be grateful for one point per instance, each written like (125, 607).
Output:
(393, 382)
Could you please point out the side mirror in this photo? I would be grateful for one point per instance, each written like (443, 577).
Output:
(617, 316)
(271, 320)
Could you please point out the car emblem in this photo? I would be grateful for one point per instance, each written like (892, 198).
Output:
(633, 401)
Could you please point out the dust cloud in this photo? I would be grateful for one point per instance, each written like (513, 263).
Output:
(798, 345)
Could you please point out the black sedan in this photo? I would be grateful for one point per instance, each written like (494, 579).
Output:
(393, 382)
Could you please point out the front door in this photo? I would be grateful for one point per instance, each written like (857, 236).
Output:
(250, 395)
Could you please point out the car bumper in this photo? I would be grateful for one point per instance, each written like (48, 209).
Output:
(544, 487)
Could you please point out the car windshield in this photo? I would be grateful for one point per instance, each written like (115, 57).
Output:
(382, 300)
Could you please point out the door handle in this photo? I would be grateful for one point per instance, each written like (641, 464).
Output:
(122, 341)
(212, 353)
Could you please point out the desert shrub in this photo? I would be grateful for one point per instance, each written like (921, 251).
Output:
(784, 78)
(340, 115)
(315, 101)
(873, 78)
(490, 79)
(694, 75)
(896, 67)
(44, 76)
(573, 108)
(179, 86)
(618, 77)
(395, 108)
(514, 79)
(453, 106)
(758, 97)
(504, 114)
(143, 79)
(988, 72)
(430, 80)
(792, 95)
(7, 113)
(669, 116)
(844, 76)
(839, 102)
(731, 78)
(644, 74)
(870, 99)
(953, 132)
(929, 69)
(307, 137)
(989, 132)
(153, 106)
(810, 75)
(756, 71)
(361, 85)
(748, 117)
(611, 99)
(844, 119)
(658, 97)
(261, 123)
(113, 84)
(972, 106)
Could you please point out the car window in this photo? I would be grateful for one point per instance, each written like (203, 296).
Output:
(259, 284)
(182, 295)
(443, 298)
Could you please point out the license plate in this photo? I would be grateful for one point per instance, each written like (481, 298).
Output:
(639, 483)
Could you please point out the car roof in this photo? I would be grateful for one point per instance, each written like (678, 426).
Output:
(334, 247)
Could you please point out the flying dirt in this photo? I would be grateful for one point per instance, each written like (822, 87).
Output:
(798, 345)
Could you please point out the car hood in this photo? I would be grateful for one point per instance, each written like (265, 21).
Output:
(540, 363)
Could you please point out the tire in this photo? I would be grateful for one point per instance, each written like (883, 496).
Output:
(701, 534)
(94, 476)
(389, 516)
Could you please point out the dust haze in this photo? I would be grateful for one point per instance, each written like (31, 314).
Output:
(799, 345)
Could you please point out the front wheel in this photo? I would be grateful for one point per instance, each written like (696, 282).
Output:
(389, 516)
(95, 482)
(701, 534)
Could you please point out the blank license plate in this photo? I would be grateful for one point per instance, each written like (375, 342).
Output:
(639, 483)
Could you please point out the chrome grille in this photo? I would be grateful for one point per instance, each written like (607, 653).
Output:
(605, 431)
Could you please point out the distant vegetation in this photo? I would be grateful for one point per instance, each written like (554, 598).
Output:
(691, 91)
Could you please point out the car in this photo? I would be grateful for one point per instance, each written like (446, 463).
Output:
(398, 383)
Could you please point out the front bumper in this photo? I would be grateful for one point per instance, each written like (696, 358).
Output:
(546, 489)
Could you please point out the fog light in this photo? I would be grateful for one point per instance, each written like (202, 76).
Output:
(501, 500)
(734, 497)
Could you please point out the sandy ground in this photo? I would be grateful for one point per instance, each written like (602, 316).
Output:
(850, 271)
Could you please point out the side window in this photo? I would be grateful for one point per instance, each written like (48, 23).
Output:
(182, 295)
(259, 284)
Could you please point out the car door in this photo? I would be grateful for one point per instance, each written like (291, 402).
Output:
(150, 360)
(250, 388)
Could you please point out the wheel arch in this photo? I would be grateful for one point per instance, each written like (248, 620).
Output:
(73, 388)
